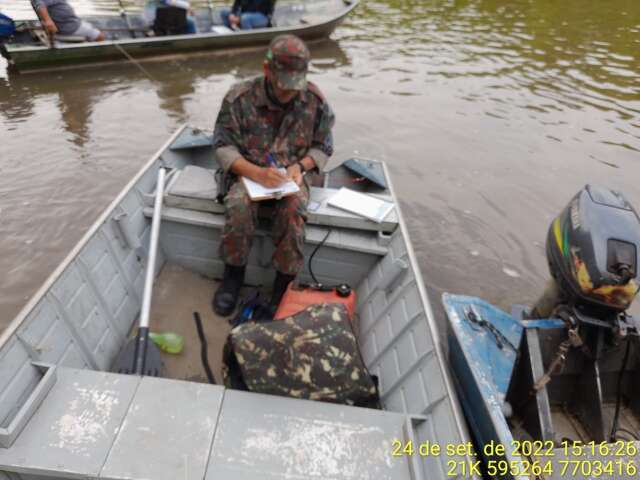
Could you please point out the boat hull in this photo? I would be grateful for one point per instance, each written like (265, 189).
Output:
(481, 390)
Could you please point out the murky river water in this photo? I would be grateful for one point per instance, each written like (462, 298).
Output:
(490, 113)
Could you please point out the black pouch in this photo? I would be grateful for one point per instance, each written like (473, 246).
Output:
(253, 309)
(223, 182)
(231, 371)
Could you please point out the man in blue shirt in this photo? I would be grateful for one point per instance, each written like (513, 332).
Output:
(248, 14)
(58, 17)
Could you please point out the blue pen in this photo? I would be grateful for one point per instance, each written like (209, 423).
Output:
(272, 161)
(276, 195)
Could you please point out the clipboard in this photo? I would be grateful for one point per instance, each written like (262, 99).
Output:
(258, 192)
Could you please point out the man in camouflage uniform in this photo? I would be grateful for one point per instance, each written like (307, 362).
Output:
(275, 119)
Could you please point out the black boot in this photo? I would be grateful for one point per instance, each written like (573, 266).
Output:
(280, 285)
(226, 296)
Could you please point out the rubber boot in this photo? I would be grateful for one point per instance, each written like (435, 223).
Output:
(280, 285)
(226, 296)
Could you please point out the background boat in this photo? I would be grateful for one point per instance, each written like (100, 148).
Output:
(308, 20)
(545, 429)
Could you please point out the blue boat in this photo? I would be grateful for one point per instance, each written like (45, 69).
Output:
(551, 391)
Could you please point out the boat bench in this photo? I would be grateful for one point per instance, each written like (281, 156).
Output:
(97, 425)
(190, 198)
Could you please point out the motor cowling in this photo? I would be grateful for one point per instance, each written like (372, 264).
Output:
(593, 249)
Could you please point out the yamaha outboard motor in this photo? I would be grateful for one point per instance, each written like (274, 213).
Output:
(593, 250)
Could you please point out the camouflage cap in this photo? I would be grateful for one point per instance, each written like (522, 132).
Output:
(288, 59)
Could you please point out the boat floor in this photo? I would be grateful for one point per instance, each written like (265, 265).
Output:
(568, 425)
(177, 293)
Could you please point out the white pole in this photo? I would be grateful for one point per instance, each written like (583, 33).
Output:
(153, 249)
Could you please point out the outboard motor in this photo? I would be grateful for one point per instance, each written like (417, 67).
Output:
(593, 250)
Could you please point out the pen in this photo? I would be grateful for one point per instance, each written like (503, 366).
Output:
(272, 161)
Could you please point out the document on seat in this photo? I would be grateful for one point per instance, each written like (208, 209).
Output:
(221, 29)
(361, 204)
(258, 192)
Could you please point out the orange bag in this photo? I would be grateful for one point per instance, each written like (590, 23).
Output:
(298, 298)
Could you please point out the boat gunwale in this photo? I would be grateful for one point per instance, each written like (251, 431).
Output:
(431, 322)
(350, 6)
(84, 240)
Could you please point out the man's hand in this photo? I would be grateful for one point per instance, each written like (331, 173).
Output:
(234, 20)
(270, 177)
(50, 27)
(46, 20)
(295, 173)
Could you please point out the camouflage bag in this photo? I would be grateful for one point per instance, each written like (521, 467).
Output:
(311, 355)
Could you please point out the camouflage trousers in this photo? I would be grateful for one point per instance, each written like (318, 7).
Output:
(287, 229)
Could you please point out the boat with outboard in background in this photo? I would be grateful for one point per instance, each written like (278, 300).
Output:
(552, 391)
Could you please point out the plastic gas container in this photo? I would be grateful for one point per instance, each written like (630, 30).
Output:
(299, 297)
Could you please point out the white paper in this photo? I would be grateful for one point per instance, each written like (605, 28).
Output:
(259, 192)
(361, 204)
(220, 29)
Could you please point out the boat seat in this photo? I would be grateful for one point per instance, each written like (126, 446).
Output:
(266, 437)
(70, 39)
(101, 425)
(97, 425)
(362, 241)
(194, 188)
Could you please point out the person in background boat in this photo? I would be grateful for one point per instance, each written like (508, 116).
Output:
(151, 7)
(58, 17)
(248, 14)
(278, 118)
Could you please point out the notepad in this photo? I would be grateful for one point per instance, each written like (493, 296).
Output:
(361, 204)
(259, 192)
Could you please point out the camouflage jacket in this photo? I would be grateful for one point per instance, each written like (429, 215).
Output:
(312, 355)
(249, 124)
